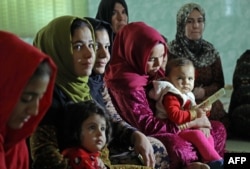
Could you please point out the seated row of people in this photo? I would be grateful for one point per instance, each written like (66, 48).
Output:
(118, 76)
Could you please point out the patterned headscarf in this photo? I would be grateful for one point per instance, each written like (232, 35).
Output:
(201, 52)
(55, 40)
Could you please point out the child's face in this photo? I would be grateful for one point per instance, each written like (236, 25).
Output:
(93, 136)
(182, 77)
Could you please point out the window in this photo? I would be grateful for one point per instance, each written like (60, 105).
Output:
(26, 17)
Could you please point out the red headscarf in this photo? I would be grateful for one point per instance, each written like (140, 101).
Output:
(131, 50)
(18, 62)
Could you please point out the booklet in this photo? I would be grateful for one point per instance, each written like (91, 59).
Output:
(210, 100)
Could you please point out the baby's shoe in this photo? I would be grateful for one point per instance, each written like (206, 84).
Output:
(217, 164)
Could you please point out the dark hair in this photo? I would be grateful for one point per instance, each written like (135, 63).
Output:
(76, 114)
(43, 69)
(176, 62)
(99, 25)
(78, 23)
(106, 8)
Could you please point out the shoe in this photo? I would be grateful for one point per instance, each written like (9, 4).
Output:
(197, 165)
(217, 164)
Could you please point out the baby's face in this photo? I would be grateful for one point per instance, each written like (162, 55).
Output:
(182, 77)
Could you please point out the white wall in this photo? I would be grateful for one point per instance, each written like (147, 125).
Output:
(227, 24)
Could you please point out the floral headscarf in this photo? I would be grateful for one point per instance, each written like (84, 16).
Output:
(201, 52)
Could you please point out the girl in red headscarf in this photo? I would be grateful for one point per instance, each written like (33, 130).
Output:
(27, 81)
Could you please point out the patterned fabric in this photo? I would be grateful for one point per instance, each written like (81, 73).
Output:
(239, 109)
(241, 82)
(119, 155)
(18, 62)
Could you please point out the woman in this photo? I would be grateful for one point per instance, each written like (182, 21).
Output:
(137, 55)
(190, 44)
(115, 12)
(27, 81)
(70, 42)
(99, 91)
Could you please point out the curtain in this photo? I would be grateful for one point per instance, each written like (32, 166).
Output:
(26, 17)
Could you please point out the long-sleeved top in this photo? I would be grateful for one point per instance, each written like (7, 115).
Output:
(79, 158)
(171, 103)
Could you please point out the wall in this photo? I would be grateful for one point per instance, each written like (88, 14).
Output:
(227, 24)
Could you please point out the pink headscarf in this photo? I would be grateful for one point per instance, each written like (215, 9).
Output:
(131, 50)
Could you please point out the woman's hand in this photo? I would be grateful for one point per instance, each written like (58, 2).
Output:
(200, 122)
(206, 131)
(199, 92)
(143, 147)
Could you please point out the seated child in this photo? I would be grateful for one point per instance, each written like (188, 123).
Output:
(176, 101)
(88, 131)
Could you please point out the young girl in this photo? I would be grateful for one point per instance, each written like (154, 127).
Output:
(176, 101)
(87, 130)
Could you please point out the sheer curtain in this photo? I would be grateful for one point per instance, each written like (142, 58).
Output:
(26, 17)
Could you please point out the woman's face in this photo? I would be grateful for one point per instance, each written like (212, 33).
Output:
(119, 17)
(194, 25)
(83, 51)
(93, 133)
(28, 103)
(102, 52)
(156, 59)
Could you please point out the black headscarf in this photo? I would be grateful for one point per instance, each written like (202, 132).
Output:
(96, 82)
(106, 7)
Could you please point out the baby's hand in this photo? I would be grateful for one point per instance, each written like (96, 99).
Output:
(200, 112)
(206, 107)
